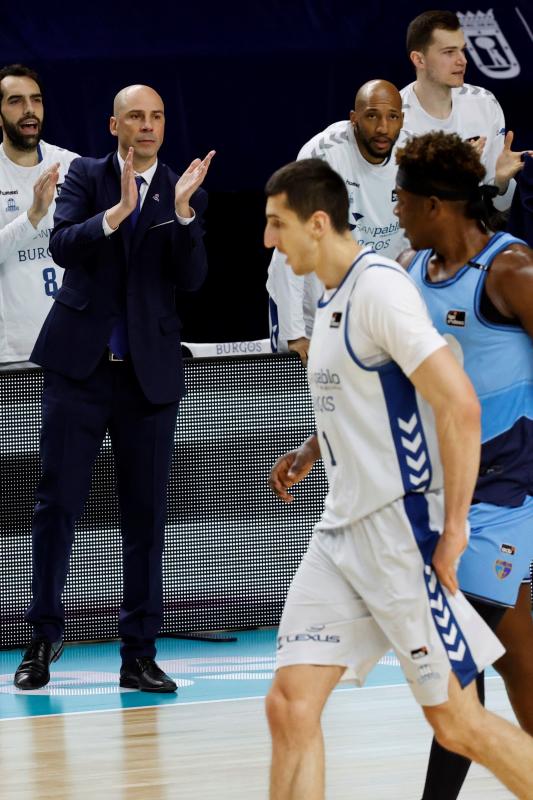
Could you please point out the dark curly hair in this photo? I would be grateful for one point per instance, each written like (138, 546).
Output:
(444, 165)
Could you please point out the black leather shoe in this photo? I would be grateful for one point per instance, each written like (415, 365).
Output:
(33, 672)
(144, 674)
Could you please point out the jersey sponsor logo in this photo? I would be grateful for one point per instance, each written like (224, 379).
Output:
(11, 204)
(509, 549)
(325, 377)
(353, 183)
(502, 569)
(422, 652)
(335, 319)
(34, 254)
(487, 45)
(323, 402)
(9, 191)
(456, 318)
(394, 196)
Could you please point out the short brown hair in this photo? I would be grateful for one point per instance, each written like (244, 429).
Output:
(312, 185)
(420, 29)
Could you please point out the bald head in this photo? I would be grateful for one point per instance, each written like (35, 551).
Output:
(138, 121)
(376, 92)
(129, 95)
(377, 119)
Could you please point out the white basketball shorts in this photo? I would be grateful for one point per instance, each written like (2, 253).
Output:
(363, 589)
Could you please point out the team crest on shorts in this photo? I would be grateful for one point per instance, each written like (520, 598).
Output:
(502, 569)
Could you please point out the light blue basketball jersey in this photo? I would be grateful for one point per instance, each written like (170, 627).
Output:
(499, 361)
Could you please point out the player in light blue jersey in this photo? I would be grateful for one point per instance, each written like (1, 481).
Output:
(478, 287)
(398, 430)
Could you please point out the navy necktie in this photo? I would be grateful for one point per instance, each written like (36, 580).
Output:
(118, 341)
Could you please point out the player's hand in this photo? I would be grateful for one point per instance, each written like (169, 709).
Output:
(189, 182)
(478, 144)
(300, 346)
(292, 468)
(509, 163)
(128, 194)
(446, 557)
(43, 193)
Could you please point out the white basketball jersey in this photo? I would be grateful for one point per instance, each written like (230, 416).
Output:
(29, 279)
(371, 218)
(475, 112)
(377, 435)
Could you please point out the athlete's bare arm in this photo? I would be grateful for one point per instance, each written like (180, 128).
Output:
(446, 387)
(293, 467)
(510, 285)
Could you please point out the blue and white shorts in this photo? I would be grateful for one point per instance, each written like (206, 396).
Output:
(499, 552)
(369, 586)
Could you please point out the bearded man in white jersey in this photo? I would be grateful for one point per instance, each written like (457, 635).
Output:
(360, 150)
(398, 431)
(31, 172)
(439, 99)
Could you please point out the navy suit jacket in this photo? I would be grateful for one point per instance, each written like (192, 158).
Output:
(138, 271)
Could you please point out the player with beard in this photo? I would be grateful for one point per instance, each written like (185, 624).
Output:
(30, 173)
(359, 149)
(439, 99)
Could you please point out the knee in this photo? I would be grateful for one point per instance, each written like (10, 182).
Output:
(290, 718)
(455, 731)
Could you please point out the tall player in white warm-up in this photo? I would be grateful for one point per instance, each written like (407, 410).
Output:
(398, 430)
(360, 150)
(440, 100)
(31, 172)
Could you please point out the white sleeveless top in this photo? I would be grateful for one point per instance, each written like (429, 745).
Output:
(377, 435)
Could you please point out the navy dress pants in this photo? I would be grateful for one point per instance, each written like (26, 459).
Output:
(75, 418)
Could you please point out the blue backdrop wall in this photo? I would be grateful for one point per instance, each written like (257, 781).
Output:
(252, 80)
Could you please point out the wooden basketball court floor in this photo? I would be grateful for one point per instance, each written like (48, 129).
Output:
(83, 737)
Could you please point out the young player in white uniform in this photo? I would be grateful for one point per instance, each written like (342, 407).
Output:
(31, 172)
(360, 150)
(380, 570)
(439, 99)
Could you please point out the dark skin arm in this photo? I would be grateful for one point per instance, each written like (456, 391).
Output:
(510, 285)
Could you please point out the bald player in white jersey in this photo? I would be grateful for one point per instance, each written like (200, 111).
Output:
(360, 149)
(398, 431)
(439, 99)
(31, 172)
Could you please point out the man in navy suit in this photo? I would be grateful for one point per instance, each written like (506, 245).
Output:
(128, 233)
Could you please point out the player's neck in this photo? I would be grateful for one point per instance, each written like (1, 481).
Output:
(336, 259)
(456, 250)
(24, 158)
(435, 98)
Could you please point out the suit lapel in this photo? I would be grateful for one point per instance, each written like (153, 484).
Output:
(155, 200)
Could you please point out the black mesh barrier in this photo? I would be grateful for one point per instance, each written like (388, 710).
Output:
(231, 546)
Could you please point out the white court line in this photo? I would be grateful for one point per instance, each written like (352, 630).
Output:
(205, 702)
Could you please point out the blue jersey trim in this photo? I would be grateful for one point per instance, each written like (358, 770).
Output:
(322, 303)
(457, 649)
(407, 430)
